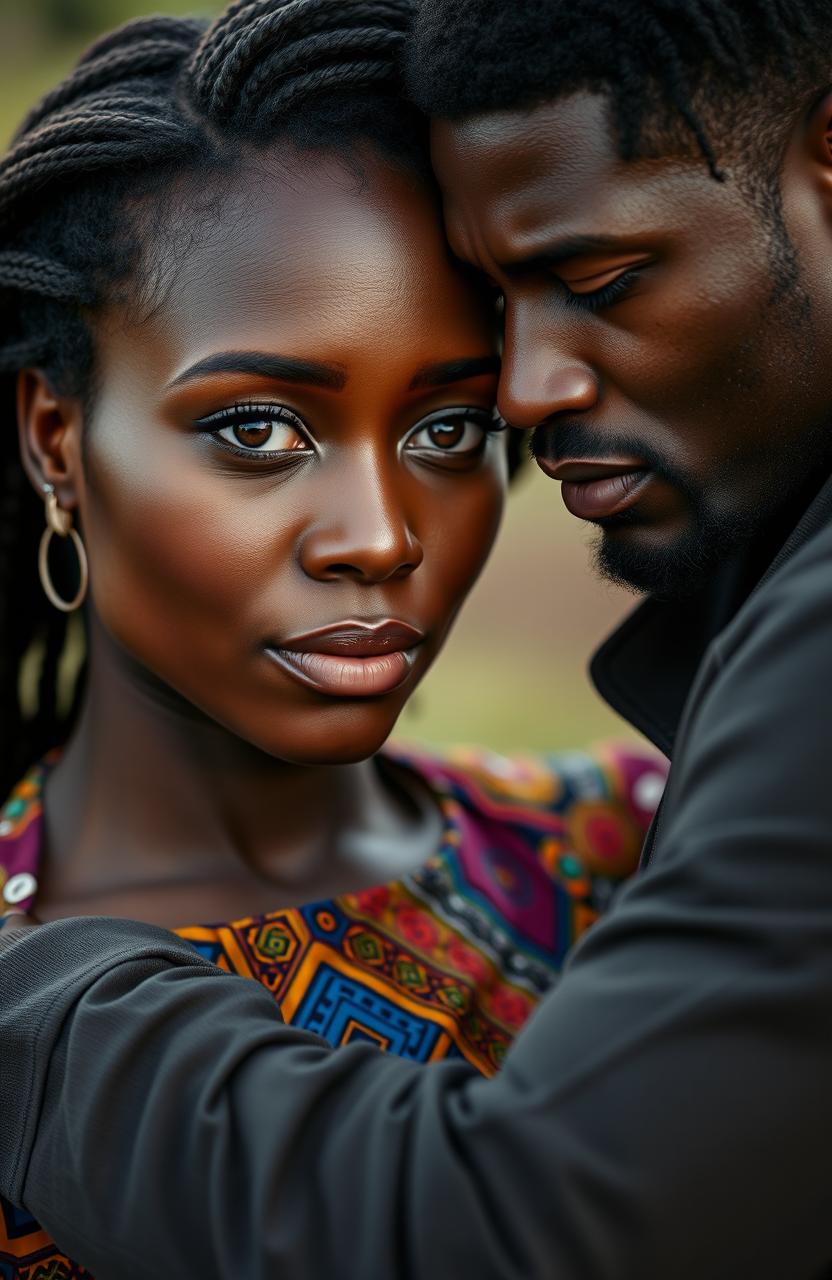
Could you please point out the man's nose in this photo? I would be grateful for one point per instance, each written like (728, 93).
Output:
(542, 377)
(363, 531)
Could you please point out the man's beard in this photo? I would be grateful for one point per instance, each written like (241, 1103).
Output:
(679, 568)
(718, 525)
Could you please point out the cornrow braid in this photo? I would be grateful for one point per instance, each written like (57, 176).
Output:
(58, 184)
(156, 102)
(146, 47)
(262, 60)
(23, 354)
(77, 143)
(31, 273)
(692, 62)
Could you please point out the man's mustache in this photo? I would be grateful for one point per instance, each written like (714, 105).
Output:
(565, 439)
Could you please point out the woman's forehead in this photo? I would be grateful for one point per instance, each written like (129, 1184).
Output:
(314, 255)
(304, 233)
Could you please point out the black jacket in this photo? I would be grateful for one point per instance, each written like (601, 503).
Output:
(665, 1115)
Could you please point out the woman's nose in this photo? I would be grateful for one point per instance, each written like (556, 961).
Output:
(363, 531)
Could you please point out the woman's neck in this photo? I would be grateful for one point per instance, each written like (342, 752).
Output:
(156, 812)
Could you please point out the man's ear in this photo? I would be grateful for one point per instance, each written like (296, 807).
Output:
(49, 426)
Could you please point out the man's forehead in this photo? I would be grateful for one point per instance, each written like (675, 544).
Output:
(522, 176)
(567, 134)
(519, 167)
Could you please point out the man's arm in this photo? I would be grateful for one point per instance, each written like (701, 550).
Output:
(665, 1114)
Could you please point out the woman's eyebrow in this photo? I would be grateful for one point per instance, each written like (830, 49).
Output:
(437, 375)
(262, 364)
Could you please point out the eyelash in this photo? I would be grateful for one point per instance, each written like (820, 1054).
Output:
(247, 412)
(604, 297)
(489, 422)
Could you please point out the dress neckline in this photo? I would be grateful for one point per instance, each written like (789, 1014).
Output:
(21, 829)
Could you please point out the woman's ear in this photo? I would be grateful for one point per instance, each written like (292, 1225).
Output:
(50, 437)
(819, 139)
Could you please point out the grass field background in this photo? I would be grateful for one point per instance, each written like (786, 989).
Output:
(513, 673)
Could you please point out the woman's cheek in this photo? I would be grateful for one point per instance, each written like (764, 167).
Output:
(171, 565)
(463, 532)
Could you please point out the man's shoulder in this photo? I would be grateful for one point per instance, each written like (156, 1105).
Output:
(751, 763)
(790, 610)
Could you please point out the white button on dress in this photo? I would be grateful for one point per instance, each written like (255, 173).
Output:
(648, 791)
(23, 885)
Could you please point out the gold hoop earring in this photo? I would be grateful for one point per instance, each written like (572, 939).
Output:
(59, 522)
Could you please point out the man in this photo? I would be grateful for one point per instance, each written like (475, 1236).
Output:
(649, 185)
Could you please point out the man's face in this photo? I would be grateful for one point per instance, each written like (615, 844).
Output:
(677, 383)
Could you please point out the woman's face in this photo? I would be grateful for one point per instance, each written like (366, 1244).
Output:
(291, 478)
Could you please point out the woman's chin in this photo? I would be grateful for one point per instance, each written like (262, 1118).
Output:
(346, 734)
(332, 753)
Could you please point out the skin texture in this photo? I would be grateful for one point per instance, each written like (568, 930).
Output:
(699, 364)
(192, 740)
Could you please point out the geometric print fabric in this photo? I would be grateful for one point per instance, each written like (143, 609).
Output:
(447, 962)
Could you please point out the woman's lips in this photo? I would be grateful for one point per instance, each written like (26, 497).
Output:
(346, 677)
(595, 490)
(351, 659)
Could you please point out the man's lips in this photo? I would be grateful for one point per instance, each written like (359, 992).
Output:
(594, 489)
(350, 659)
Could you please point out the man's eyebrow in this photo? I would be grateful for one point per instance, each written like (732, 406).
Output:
(266, 365)
(439, 375)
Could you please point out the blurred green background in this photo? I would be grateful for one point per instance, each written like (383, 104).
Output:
(513, 674)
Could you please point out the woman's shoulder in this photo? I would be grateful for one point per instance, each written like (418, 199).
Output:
(596, 803)
(545, 782)
(21, 841)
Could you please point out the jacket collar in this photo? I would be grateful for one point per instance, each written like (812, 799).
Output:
(646, 668)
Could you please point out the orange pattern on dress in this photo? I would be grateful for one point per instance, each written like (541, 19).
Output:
(447, 962)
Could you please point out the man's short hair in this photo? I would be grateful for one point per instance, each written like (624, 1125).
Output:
(726, 78)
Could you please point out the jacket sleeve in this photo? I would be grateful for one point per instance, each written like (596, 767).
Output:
(666, 1113)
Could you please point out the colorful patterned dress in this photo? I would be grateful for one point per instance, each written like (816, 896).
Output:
(447, 962)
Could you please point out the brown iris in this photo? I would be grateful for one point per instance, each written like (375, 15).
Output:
(447, 434)
(255, 435)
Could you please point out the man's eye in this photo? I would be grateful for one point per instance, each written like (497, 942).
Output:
(462, 433)
(611, 288)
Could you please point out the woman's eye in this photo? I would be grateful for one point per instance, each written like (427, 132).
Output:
(460, 434)
(250, 429)
(263, 437)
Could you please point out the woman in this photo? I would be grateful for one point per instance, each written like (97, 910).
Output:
(255, 400)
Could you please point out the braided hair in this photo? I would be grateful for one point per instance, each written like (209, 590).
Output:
(156, 100)
(733, 71)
